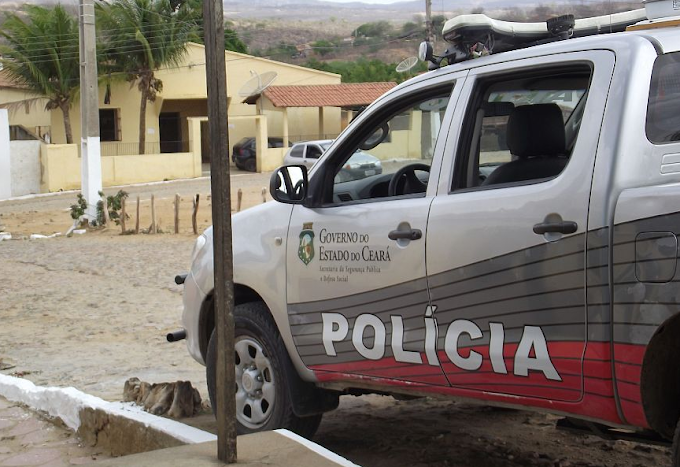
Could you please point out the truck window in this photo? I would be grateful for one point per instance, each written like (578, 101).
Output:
(395, 149)
(522, 129)
(663, 107)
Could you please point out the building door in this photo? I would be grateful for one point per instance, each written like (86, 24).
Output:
(169, 126)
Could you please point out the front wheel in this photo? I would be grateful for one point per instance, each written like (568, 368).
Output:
(263, 374)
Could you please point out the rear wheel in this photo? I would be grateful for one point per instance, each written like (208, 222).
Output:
(251, 165)
(263, 374)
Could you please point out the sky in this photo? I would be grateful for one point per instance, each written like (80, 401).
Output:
(370, 1)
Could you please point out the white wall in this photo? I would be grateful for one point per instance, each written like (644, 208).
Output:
(5, 172)
(25, 167)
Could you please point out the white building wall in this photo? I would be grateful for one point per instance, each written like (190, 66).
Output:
(25, 167)
(5, 171)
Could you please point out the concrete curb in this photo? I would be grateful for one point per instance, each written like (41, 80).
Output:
(124, 429)
(120, 428)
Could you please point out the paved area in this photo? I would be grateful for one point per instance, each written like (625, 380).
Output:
(270, 448)
(28, 439)
(187, 187)
(91, 311)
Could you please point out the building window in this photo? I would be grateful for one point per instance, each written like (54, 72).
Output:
(109, 128)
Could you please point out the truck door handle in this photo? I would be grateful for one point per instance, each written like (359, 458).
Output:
(413, 234)
(564, 227)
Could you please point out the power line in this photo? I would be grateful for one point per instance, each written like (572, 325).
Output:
(126, 49)
(155, 30)
(132, 47)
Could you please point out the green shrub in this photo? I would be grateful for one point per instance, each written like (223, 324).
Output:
(114, 203)
(78, 209)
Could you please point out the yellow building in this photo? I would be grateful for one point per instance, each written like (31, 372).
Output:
(27, 111)
(176, 123)
(184, 96)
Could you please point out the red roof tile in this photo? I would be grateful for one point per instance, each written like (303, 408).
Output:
(327, 95)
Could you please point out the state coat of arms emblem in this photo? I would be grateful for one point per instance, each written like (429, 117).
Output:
(306, 248)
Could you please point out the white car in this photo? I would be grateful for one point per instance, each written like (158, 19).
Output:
(360, 165)
(306, 152)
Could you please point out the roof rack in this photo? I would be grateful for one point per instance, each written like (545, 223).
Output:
(476, 35)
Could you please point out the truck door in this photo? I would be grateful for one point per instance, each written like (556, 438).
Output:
(356, 284)
(506, 235)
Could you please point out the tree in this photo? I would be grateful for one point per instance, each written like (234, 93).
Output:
(323, 47)
(410, 28)
(364, 70)
(231, 39)
(438, 22)
(233, 42)
(41, 53)
(375, 29)
(142, 36)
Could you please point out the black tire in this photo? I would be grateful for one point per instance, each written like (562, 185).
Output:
(251, 165)
(253, 327)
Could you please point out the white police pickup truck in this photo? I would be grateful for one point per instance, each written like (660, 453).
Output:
(520, 247)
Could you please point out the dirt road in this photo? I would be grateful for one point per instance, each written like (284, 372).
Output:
(91, 311)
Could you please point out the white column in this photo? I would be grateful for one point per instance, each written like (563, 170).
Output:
(5, 166)
(261, 145)
(90, 150)
(286, 136)
(91, 172)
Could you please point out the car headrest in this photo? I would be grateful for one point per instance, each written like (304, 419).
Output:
(536, 130)
(498, 109)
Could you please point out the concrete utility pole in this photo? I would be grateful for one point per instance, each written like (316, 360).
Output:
(428, 21)
(90, 149)
(225, 379)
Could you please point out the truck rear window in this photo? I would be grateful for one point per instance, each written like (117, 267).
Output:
(663, 108)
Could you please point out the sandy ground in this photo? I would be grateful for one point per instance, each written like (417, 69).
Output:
(92, 311)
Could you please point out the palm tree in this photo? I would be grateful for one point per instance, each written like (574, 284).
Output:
(41, 54)
(141, 36)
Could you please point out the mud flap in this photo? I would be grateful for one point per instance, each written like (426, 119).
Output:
(307, 399)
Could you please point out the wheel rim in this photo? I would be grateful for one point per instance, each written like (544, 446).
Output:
(255, 385)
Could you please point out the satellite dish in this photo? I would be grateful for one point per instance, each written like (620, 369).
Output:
(407, 64)
(258, 83)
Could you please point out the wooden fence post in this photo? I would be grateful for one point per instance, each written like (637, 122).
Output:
(153, 228)
(194, 224)
(122, 214)
(177, 213)
(107, 219)
(137, 221)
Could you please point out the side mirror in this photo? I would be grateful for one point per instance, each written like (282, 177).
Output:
(376, 138)
(289, 184)
(425, 52)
